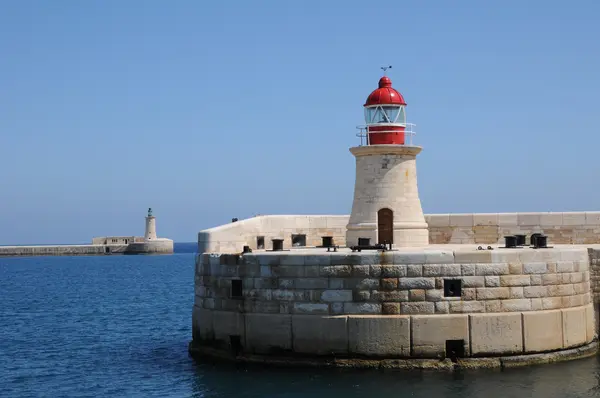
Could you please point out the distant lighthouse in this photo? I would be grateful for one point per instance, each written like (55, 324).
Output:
(150, 233)
(386, 206)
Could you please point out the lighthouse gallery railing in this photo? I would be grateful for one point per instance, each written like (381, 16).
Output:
(363, 133)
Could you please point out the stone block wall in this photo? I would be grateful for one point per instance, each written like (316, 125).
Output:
(62, 250)
(163, 246)
(394, 282)
(594, 259)
(393, 336)
(232, 237)
(482, 228)
(392, 305)
(594, 255)
(160, 245)
(489, 228)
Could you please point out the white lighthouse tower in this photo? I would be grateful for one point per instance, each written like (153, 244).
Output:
(150, 233)
(386, 206)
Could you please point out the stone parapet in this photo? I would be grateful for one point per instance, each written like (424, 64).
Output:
(487, 228)
(231, 238)
(478, 228)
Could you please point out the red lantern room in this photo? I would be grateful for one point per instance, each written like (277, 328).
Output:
(385, 115)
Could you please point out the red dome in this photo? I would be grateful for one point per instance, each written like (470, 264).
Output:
(385, 94)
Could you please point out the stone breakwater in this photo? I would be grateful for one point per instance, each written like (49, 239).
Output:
(394, 305)
(61, 250)
(163, 246)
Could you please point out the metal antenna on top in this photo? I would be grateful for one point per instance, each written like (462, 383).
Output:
(385, 68)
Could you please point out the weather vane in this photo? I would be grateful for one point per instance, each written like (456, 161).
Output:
(385, 68)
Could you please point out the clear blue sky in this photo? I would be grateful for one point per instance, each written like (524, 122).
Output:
(208, 110)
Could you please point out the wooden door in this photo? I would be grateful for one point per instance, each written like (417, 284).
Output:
(385, 226)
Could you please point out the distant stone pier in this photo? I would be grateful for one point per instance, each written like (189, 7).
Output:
(61, 250)
(156, 247)
(148, 244)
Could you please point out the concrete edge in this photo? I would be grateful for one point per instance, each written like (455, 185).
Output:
(583, 351)
(199, 352)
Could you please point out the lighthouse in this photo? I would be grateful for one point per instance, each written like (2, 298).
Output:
(150, 233)
(386, 206)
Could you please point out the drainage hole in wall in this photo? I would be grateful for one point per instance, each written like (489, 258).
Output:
(298, 240)
(236, 345)
(455, 349)
(452, 287)
(236, 288)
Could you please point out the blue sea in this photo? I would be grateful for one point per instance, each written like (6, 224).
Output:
(118, 326)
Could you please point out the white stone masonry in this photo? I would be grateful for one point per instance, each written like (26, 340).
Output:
(386, 177)
(150, 233)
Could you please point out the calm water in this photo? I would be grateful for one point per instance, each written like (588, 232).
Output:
(118, 326)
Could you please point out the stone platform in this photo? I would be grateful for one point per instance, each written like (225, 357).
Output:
(158, 246)
(350, 309)
(61, 250)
